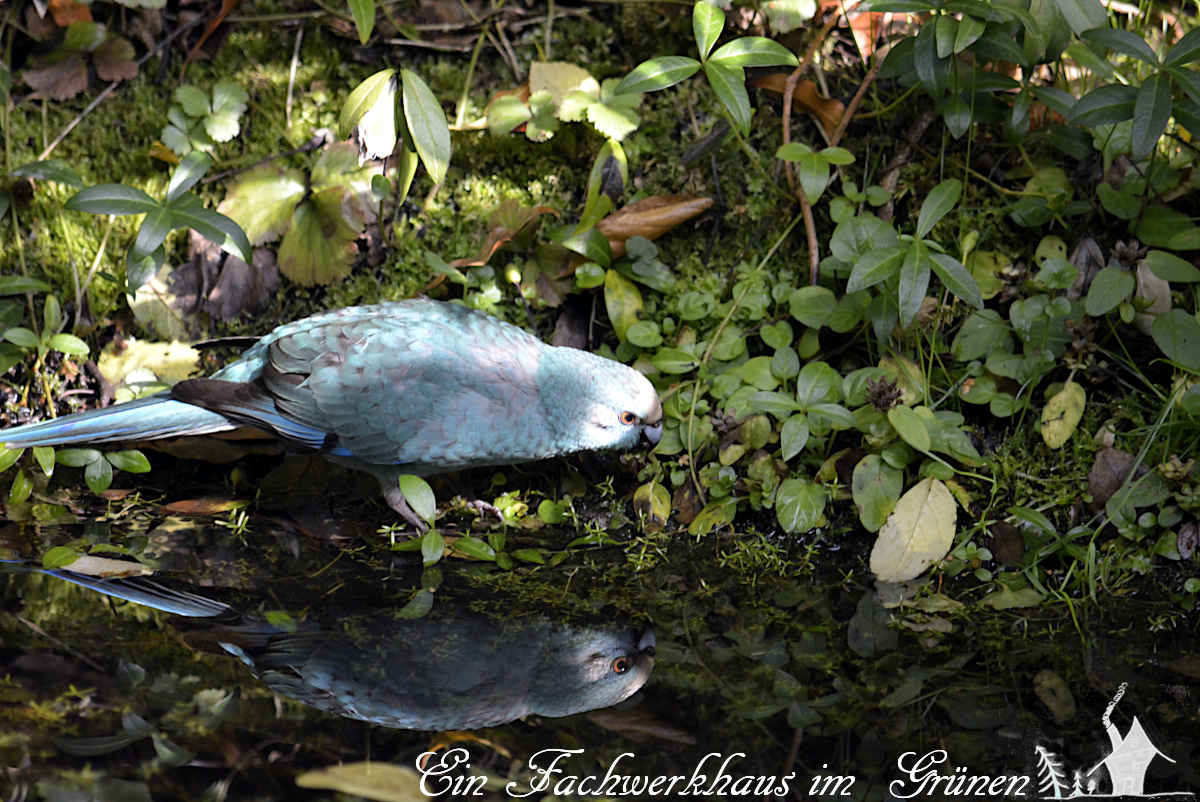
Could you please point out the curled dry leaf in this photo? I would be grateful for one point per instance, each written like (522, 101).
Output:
(508, 221)
(1108, 473)
(806, 98)
(650, 218)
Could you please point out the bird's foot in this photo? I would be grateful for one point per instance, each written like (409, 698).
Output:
(483, 508)
(395, 499)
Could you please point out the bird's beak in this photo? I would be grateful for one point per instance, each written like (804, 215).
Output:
(652, 425)
(647, 643)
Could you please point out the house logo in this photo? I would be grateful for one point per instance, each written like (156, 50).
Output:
(1122, 774)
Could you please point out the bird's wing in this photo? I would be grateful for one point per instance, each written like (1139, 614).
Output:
(418, 383)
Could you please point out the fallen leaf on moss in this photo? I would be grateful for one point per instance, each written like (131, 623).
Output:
(918, 533)
(650, 218)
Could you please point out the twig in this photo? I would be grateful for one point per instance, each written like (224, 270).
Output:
(319, 140)
(287, 109)
(848, 114)
(108, 90)
(790, 89)
(77, 655)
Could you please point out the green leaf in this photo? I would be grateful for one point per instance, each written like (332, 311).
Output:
(20, 489)
(644, 334)
(14, 285)
(818, 383)
(674, 361)
(1057, 273)
(813, 172)
(910, 427)
(152, 232)
(9, 457)
(193, 100)
(44, 455)
(956, 278)
(21, 336)
(707, 23)
(474, 548)
(591, 245)
(876, 265)
(112, 199)
(937, 204)
(363, 12)
(419, 496)
(190, 170)
(139, 270)
(59, 557)
(623, 301)
(263, 199)
(68, 344)
(131, 460)
(1177, 334)
(1110, 287)
(982, 333)
(875, 487)
(777, 335)
(364, 97)
(657, 73)
(1185, 51)
(418, 606)
(213, 226)
(793, 436)
(1082, 15)
(76, 457)
(1150, 114)
(715, 514)
(778, 404)
(754, 51)
(799, 505)
(729, 84)
(914, 281)
(426, 124)
(1123, 42)
(98, 475)
(812, 306)
(433, 546)
(1110, 103)
(1166, 266)
(50, 170)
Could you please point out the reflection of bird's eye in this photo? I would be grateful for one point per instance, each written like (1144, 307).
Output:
(628, 418)
(621, 665)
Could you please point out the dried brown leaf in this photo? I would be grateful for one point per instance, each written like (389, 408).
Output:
(806, 98)
(114, 59)
(508, 221)
(61, 81)
(1108, 473)
(66, 12)
(650, 218)
(640, 726)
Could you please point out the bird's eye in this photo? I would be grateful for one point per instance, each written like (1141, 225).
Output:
(628, 418)
(621, 665)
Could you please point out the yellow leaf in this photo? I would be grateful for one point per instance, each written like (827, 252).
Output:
(559, 78)
(380, 781)
(1062, 413)
(918, 533)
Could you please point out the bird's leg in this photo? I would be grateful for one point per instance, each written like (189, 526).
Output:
(395, 499)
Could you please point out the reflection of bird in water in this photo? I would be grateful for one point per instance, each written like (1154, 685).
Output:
(418, 387)
(448, 670)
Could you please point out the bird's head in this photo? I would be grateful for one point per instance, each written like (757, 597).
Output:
(590, 668)
(595, 403)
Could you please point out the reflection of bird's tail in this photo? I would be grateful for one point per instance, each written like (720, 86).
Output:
(133, 589)
(144, 419)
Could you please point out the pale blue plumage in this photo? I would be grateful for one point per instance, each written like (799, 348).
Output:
(415, 386)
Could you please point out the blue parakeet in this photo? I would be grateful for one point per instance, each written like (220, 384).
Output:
(415, 386)
(449, 670)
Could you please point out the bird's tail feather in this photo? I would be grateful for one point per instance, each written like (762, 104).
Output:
(134, 589)
(144, 419)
